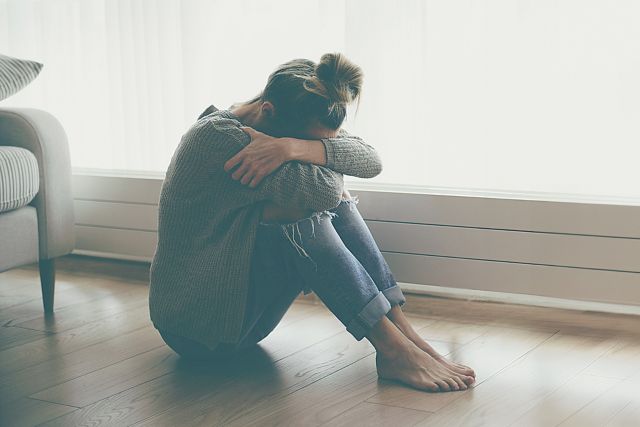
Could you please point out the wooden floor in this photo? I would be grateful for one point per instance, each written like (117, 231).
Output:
(100, 362)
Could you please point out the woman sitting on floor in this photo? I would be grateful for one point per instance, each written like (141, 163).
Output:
(253, 211)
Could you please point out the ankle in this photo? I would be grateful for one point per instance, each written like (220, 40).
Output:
(388, 340)
(400, 320)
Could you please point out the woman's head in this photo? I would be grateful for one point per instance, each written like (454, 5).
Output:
(302, 96)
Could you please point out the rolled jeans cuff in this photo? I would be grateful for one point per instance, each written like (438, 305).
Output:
(394, 295)
(371, 314)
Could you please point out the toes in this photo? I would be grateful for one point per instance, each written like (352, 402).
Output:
(468, 380)
(467, 370)
(461, 383)
(430, 386)
(452, 383)
(443, 385)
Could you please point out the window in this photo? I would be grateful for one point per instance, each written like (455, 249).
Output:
(526, 96)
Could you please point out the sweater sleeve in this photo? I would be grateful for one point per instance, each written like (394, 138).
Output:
(350, 155)
(296, 184)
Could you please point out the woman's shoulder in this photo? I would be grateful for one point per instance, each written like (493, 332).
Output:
(220, 125)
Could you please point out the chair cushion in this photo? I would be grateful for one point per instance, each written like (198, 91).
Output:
(19, 178)
(15, 74)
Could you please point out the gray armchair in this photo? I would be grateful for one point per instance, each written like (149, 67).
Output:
(42, 230)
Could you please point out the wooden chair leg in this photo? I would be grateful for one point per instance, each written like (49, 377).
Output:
(47, 283)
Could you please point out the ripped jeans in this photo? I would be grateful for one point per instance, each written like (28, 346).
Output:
(331, 253)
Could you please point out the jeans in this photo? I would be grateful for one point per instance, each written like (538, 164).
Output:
(331, 253)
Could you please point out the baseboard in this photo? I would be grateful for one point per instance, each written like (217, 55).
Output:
(418, 291)
(109, 255)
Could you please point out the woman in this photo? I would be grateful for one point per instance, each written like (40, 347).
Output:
(253, 211)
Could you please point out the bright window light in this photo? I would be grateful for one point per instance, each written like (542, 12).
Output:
(512, 96)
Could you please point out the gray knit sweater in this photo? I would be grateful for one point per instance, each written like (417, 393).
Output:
(208, 222)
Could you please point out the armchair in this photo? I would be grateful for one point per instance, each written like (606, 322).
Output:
(42, 230)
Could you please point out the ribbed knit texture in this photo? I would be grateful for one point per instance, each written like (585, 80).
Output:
(208, 223)
(15, 74)
(19, 177)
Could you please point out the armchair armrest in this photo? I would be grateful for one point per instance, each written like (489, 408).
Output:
(42, 134)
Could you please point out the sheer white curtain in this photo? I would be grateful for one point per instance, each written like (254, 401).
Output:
(127, 77)
(507, 95)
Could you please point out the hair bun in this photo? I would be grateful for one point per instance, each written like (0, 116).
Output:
(337, 79)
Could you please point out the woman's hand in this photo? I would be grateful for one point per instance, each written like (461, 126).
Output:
(262, 156)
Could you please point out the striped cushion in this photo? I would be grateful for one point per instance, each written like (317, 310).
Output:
(19, 179)
(15, 74)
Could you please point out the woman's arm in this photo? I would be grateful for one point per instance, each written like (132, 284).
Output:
(295, 184)
(347, 154)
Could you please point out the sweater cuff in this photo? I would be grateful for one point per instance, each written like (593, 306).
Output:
(330, 151)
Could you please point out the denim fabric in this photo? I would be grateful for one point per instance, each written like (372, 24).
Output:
(331, 253)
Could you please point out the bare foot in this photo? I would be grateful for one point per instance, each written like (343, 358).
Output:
(415, 367)
(455, 367)
(402, 323)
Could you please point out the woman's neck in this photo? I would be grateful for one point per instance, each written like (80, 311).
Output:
(248, 113)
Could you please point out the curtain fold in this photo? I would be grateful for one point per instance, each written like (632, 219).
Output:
(507, 95)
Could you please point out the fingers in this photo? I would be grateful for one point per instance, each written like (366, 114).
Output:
(255, 181)
(249, 176)
(249, 131)
(232, 162)
(241, 171)
(240, 155)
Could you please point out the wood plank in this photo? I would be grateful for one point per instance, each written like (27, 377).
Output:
(317, 403)
(258, 388)
(55, 345)
(321, 401)
(568, 398)
(508, 395)
(371, 415)
(180, 384)
(71, 297)
(78, 298)
(616, 405)
(628, 416)
(113, 379)
(11, 336)
(535, 366)
(488, 354)
(18, 288)
(76, 315)
(55, 371)
(614, 408)
(622, 361)
(204, 394)
(514, 246)
(30, 412)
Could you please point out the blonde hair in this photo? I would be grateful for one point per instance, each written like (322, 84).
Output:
(303, 91)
